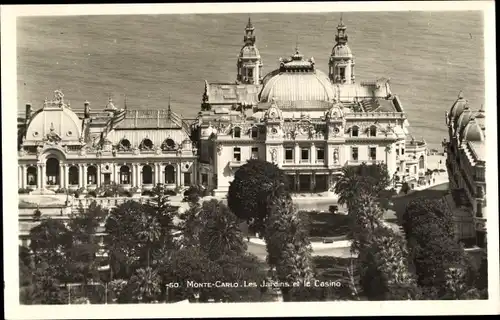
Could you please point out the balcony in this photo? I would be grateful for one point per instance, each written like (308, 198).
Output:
(236, 164)
(358, 162)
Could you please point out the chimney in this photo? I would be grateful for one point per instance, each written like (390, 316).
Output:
(29, 112)
(86, 111)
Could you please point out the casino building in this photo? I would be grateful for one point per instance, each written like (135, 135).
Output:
(309, 123)
(466, 165)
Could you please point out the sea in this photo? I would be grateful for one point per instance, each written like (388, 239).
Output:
(429, 57)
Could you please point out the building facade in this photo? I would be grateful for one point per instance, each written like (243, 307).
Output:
(309, 123)
(466, 165)
(61, 148)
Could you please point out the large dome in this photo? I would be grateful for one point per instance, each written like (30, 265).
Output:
(55, 121)
(297, 80)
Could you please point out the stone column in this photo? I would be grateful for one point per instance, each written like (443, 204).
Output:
(24, 172)
(43, 176)
(84, 171)
(139, 176)
(98, 182)
(66, 176)
(133, 175)
(61, 175)
(297, 154)
(313, 153)
(19, 177)
(157, 174)
(178, 175)
(39, 176)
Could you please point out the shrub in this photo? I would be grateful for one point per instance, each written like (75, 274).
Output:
(61, 190)
(24, 190)
(91, 194)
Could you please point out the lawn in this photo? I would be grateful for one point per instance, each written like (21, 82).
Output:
(322, 225)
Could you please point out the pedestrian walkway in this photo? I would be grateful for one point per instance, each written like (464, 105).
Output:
(314, 245)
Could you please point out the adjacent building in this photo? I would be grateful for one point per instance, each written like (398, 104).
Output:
(466, 164)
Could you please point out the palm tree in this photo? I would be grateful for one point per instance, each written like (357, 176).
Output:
(348, 187)
(221, 233)
(145, 284)
(148, 231)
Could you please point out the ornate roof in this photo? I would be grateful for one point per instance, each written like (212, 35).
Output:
(55, 122)
(297, 79)
(473, 131)
(230, 93)
(458, 107)
(341, 51)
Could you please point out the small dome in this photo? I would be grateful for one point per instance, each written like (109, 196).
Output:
(110, 105)
(273, 113)
(463, 119)
(341, 51)
(458, 107)
(249, 52)
(473, 131)
(335, 111)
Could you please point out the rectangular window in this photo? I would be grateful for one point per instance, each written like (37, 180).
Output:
(288, 155)
(402, 151)
(187, 178)
(320, 154)
(237, 154)
(255, 132)
(204, 179)
(397, 152)
(373, 153)
(354, 153)
(255, 153)
(342, 73)
(304, 155)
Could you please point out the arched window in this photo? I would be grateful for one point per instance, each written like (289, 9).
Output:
(168, 144)
(373, 131)
(91, 175)
(237, 132)
(354, 131)
(421, 162)
(169, 174)
(125, 144)
(124, 175)
(52, 171)
(147, 175)
(73, 175)
(146, 144)
(31, 176)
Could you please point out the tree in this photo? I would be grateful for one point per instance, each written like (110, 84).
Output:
(363, 179)
(190, 225)
(288, 247)
(82, 257)
(384, 268)
(122, 239)
(422, 207)
(145, 285)
(50, 241)
(366, 218)
(220, 234)
(248, 195)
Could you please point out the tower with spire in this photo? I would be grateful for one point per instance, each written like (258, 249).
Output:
(341, 64)
(249, 65)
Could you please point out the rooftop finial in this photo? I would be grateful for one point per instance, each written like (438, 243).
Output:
(341, 22)
(249, 24)
(169, 109)
(460, 95)
(125, 102)
(297, 44)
